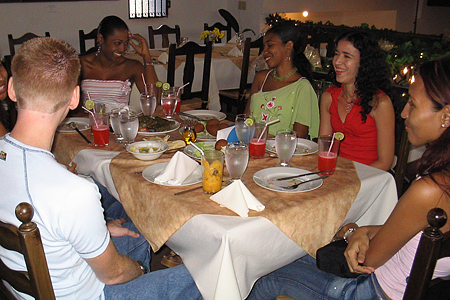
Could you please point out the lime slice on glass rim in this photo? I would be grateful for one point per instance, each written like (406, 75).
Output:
(166, 86)
(249, 122)
(89, 104)
(339, 136)
(159, 84)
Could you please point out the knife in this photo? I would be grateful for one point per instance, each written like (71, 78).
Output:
(187, 191)
(301, 175)
(191, 116)
(72, 124)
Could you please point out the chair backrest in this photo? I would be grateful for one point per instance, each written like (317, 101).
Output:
(433, 246)
(248, 45)
(164, 31)
(189, 50)
(87, 36)
(230, 19)
(18, 41)
(221, 27)
(26, 240)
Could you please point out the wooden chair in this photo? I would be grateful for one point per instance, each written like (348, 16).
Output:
(87, 36)
(18, 41)
(221, 27)
(189, 50)
(238, 97)
(433, 246)
(26, 240)
(164, 31)
(230, 19)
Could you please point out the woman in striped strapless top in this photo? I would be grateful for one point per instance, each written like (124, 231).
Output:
(107, 76)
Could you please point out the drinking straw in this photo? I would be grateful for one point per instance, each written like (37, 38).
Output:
(179, 89)
(93, 116)
(265, 128)
(332, 141)
(145, 84)
(198, 148)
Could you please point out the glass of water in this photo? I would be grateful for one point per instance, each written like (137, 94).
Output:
(285, 144)
(236, 160)
(245, 127)
(129, 125)
(149, 100)
(114, 116)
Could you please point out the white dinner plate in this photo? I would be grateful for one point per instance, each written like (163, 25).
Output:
(81, 123)
(304, 147)
(151, 172)
(194, 153)
(174, 127)
(205, 114)
(265, 178)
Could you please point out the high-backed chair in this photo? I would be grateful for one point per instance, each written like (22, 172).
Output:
(433, 246)
(189, 50)
(221, 27)
(164, 31)
(87, 36)
(26, 240)
(238, 97)
(18, 41)
(231, 21)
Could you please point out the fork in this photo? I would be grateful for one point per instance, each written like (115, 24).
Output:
(294, 186)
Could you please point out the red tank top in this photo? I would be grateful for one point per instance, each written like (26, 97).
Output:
(360, 142)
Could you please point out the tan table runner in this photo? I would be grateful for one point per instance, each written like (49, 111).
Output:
(310, 219)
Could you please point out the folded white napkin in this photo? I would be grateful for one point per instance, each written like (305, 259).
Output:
(222, 134)
(237, 198)
(177, 170)
(235, 52)
(232, 40)
(163, 58)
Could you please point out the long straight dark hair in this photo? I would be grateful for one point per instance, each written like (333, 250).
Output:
(436, 159)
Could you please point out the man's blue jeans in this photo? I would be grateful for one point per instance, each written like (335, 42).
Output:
(303, 280)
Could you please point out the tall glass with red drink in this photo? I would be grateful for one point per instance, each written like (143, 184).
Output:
(257, 144)
(328, 153)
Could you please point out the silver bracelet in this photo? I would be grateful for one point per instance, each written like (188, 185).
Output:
(348, 233)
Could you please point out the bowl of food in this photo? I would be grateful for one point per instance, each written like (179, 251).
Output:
(147, 150)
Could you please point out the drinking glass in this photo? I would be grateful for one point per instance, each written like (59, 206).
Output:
(212, 167)
(328, 153)
(169, 100)
(285, 144)
(148, 104)
(129, 125)
(236, 159)
(100, 128)
(243, 131)
(257, 145)
(114, 118)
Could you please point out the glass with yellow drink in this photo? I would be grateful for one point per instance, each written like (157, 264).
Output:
(212, 167)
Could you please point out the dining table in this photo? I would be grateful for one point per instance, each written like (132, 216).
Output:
(226, 253)
(225, 70)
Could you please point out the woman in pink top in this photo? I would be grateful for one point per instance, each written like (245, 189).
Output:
(358, 105)
(383, 255)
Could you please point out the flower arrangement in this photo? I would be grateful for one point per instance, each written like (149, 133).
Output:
(212, 35)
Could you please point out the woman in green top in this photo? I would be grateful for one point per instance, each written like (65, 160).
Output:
(284, 91)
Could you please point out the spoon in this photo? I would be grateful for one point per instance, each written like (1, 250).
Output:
(294, 186)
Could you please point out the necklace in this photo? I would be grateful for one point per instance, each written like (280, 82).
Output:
(283, 78)
(348, 105)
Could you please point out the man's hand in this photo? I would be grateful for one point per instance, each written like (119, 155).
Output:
(116, 229)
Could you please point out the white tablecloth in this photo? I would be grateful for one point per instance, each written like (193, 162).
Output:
(226, 255)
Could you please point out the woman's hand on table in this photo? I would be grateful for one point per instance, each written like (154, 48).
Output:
(116, 229)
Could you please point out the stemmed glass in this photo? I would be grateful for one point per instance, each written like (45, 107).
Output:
(115, 124)
(129, 125)
(236, 160)
(285, 144)
(243, 130)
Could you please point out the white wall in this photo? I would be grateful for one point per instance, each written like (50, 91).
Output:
(64, 19)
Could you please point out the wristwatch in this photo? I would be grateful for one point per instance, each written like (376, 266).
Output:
(348, 233)
(143, 267)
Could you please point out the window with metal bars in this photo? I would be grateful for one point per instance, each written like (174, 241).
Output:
(141, 9)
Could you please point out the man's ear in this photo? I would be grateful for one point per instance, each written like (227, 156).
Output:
(75, 98)
(11, 92)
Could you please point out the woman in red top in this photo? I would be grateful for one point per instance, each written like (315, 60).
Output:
(358, 105)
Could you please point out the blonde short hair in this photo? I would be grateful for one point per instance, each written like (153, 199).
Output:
(45, 72)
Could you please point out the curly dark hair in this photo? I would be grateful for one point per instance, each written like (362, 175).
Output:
(289, 32)
(109, 24)
(373, 72)
(436, 159)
